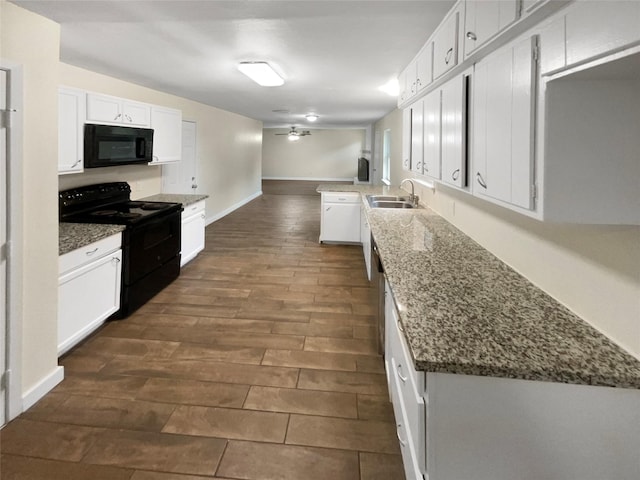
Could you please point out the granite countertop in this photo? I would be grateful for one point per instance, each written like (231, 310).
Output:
(72, 236)
(185, 199)
(464, 311)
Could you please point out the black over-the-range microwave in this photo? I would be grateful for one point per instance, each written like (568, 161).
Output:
(113, 145)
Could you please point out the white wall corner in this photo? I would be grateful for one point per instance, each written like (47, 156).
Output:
(42, 388)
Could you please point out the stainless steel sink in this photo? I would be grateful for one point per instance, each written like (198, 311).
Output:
(389, 201)
(390, 204)
(386, 198)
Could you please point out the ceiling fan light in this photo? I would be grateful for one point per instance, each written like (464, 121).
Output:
(293, 137)
(262, 73)
(312, 117)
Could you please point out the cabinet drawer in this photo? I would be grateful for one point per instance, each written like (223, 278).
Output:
(341, 197)
(89, 253)
(193, 209)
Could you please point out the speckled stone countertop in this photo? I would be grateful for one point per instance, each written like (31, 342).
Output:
(185, 199)
(464, 311)
(72, 236)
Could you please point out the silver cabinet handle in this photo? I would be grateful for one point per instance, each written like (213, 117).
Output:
(472, 36)
(129, 118)
(456, 174)
(448, 55)
(118, 116)
(327, 209)
(91, 252)
(402, 442)
(77, 162)
(400, 326)
(399, 370)
(481, 180)
(115, 260)
(202, 216)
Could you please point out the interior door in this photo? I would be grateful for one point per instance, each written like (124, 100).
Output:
(3, 240)
(180, 177)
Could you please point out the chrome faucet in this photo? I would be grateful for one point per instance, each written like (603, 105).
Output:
(413, 197)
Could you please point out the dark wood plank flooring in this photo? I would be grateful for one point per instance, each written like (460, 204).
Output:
(258, 363)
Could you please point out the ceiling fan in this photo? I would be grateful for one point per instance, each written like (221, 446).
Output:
(294, 134)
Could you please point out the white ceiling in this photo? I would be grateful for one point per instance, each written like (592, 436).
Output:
(333, 54)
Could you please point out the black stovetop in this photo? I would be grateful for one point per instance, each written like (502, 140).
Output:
(109, 203)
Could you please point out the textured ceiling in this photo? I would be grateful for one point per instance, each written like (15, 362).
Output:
(333, 54)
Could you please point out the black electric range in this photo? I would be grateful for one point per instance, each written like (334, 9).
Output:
(151, 241)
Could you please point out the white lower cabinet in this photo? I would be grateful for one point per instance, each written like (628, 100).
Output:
(88, 289)
(465, 427)
(340, 217)
(193, 225)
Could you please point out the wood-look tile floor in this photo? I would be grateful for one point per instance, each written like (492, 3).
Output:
(258, 363)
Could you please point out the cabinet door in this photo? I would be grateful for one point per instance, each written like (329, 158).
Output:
(341, 222)
(504, 111)
(406, 139)
(167, 134)
(445, 45)
(416, 136)
(86, 297)
(432, 134)
(136, 114)
(424, 69)
(412, 79)
(402, 87)
(192, 236)
(453, 120)
(71, 117)
(485, 19)
(104, 108)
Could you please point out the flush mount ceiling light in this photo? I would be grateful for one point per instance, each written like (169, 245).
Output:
(312, 117)
(261, 73)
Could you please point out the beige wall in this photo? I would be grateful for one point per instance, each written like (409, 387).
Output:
(229, 152)
(393, 122)
(33, 42)
(593, 270)
(325, 154)
(229, 164)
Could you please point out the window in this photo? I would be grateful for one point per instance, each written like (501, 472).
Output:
(386, 157)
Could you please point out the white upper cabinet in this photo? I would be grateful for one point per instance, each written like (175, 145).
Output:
(445, 43)
(453, 118)
(115, 110)
(71, 117)
(424, 67)
(484, 19)
(416, 136)
(167, 135)
(431, 137)
(503, 112)
(406, 139)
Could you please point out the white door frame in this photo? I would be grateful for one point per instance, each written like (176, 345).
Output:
(14, 239)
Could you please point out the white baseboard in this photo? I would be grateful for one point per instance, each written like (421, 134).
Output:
(311, 179)
(233, 207)
(42, 388)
